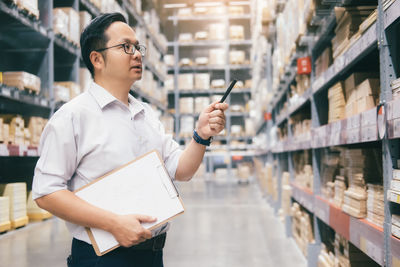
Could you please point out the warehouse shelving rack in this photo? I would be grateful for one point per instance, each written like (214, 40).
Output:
(378, 44)
(227, 71)
(29, 44)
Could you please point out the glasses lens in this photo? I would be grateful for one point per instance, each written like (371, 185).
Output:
(142, 50)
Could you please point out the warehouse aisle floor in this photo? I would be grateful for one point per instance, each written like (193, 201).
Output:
(224, 225)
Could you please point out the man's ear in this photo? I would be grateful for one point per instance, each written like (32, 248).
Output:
(97, 60)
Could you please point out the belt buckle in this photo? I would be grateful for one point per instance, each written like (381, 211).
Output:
(159, 242)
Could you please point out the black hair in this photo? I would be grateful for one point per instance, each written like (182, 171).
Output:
(93, 36)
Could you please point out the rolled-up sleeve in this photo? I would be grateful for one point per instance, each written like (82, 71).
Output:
(172, 154)
(58, 156)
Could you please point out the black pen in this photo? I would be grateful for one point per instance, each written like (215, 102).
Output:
(228, 91)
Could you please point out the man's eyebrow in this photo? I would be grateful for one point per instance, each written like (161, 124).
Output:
(127, 40)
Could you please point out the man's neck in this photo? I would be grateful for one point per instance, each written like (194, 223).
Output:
(119, 90)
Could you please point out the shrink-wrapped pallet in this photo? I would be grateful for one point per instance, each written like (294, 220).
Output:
(60, 22)
(200, 10)
(169, 60)
(201, 61)
(186, 105)
(22, 80)
(185, 37)
(61, 93)
(235, 10)
(237, 57)
(30, 5)
(73, 24)
(236, 32)
(217, 56)
(218, 83)
(185, 81)
(217, 31)
(17, 200)
(202, 35)
(84, 20)
(184, 12)
(202, 81)
(185, 62)
(5, 223)
(201, 103)
(186, 126)
(74, 88)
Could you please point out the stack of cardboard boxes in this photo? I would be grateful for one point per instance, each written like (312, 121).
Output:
(336, 103)
(66, 23)
(362, 92)
(348, 21)
(302, 228)
(375, 204)
(361, 165)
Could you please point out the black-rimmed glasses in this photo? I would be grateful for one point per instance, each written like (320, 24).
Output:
(130, 49)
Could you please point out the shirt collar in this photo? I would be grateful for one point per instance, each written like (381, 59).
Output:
(101, 95)
(103, 98)
(137, 105)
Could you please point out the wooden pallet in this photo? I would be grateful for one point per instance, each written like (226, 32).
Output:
(19, 222)
(41, 216)
(4, 227)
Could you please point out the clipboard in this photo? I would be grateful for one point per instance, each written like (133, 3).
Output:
(142, 186)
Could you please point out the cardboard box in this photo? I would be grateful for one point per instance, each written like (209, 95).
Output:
(185, 38)
(217, 31)
(17, 199)
(73, 88)
(202, 81)
(22, 80)
(185, 81)
(186, 105)
(84, 20)
(73, 24)
(236, 32)
(217, 56)
(237, 57)
(358, 77)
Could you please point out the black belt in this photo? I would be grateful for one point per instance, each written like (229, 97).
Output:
(155, 244)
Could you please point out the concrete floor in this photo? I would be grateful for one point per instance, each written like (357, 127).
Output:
(225, 224)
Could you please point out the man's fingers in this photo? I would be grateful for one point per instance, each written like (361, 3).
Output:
(216, 120)
(216, 113)
(221, 106)
(147, 234)
(145, 218)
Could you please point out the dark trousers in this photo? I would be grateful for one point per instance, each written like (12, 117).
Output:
(83, 255)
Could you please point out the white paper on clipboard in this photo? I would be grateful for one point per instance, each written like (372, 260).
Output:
(142, 186)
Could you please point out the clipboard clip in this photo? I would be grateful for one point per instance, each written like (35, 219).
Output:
(167, 182)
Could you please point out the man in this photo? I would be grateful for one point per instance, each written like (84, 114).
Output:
(103, 129)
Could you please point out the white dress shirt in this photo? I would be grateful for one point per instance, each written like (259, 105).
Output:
(93, 134)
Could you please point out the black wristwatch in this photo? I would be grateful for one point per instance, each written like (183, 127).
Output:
(200, 140)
